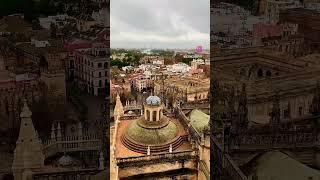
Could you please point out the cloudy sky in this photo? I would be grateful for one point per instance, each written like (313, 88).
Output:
(160, 23)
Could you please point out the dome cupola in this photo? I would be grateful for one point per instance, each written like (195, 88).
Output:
(153, 109)
(153, 100)
(152, 130)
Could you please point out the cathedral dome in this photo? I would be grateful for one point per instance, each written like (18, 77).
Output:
(152, 136)
(152, 130)
(153, 100)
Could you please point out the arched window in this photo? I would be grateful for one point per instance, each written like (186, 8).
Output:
(154, 116)
(268, 73)
(6, 106)
(260, 73)
(106, 82)
(99, 65)
(300, 111)
(148, 115)
(223, 116)
(242, 71)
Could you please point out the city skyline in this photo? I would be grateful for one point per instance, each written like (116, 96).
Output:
(146, 24)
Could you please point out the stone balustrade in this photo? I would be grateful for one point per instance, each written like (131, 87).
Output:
(132, 107)
(156, 157)
(71, 174)
(71, 144)
(204, 169)
(223, 165)
(197, 106)
(292, 140)
(186, 123)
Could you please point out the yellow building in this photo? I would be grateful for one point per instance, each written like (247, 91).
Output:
(188, 89)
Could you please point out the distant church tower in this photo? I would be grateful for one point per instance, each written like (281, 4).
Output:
(28, 154)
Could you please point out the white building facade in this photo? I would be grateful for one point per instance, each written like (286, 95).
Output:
(91, 69)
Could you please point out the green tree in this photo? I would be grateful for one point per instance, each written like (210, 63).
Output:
(119, 63)
(187, 60)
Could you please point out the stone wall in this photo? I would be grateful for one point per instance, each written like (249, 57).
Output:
(159, 167)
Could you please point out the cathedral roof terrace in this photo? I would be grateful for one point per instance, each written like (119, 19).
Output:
(124, 152)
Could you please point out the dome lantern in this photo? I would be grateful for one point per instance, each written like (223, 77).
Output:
(153, 100)
(153, 109)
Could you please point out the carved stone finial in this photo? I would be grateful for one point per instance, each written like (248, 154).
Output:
(275, 113)
(315, 105)
(101, 161)
(53, 135)
(25, 113)
(59, 133)
(148, 151)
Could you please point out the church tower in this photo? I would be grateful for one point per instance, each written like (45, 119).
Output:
(28, 154)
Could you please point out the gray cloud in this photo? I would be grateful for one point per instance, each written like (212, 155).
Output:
(160, 24)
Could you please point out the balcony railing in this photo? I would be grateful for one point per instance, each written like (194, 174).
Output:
(298, 139)
(186, 123)
(79, 174)
(157, 157)
(71, 144)
(224, 165)
(203, 167)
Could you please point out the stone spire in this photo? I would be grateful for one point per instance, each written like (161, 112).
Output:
(243, 109)
(215, 115)
(53, 135)
(289, 110)
(232, 112)
(59, 133)
(118, 109)
(315, 105)
(101, 161)
(275, 113)
(80, 130)
(28, 146)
